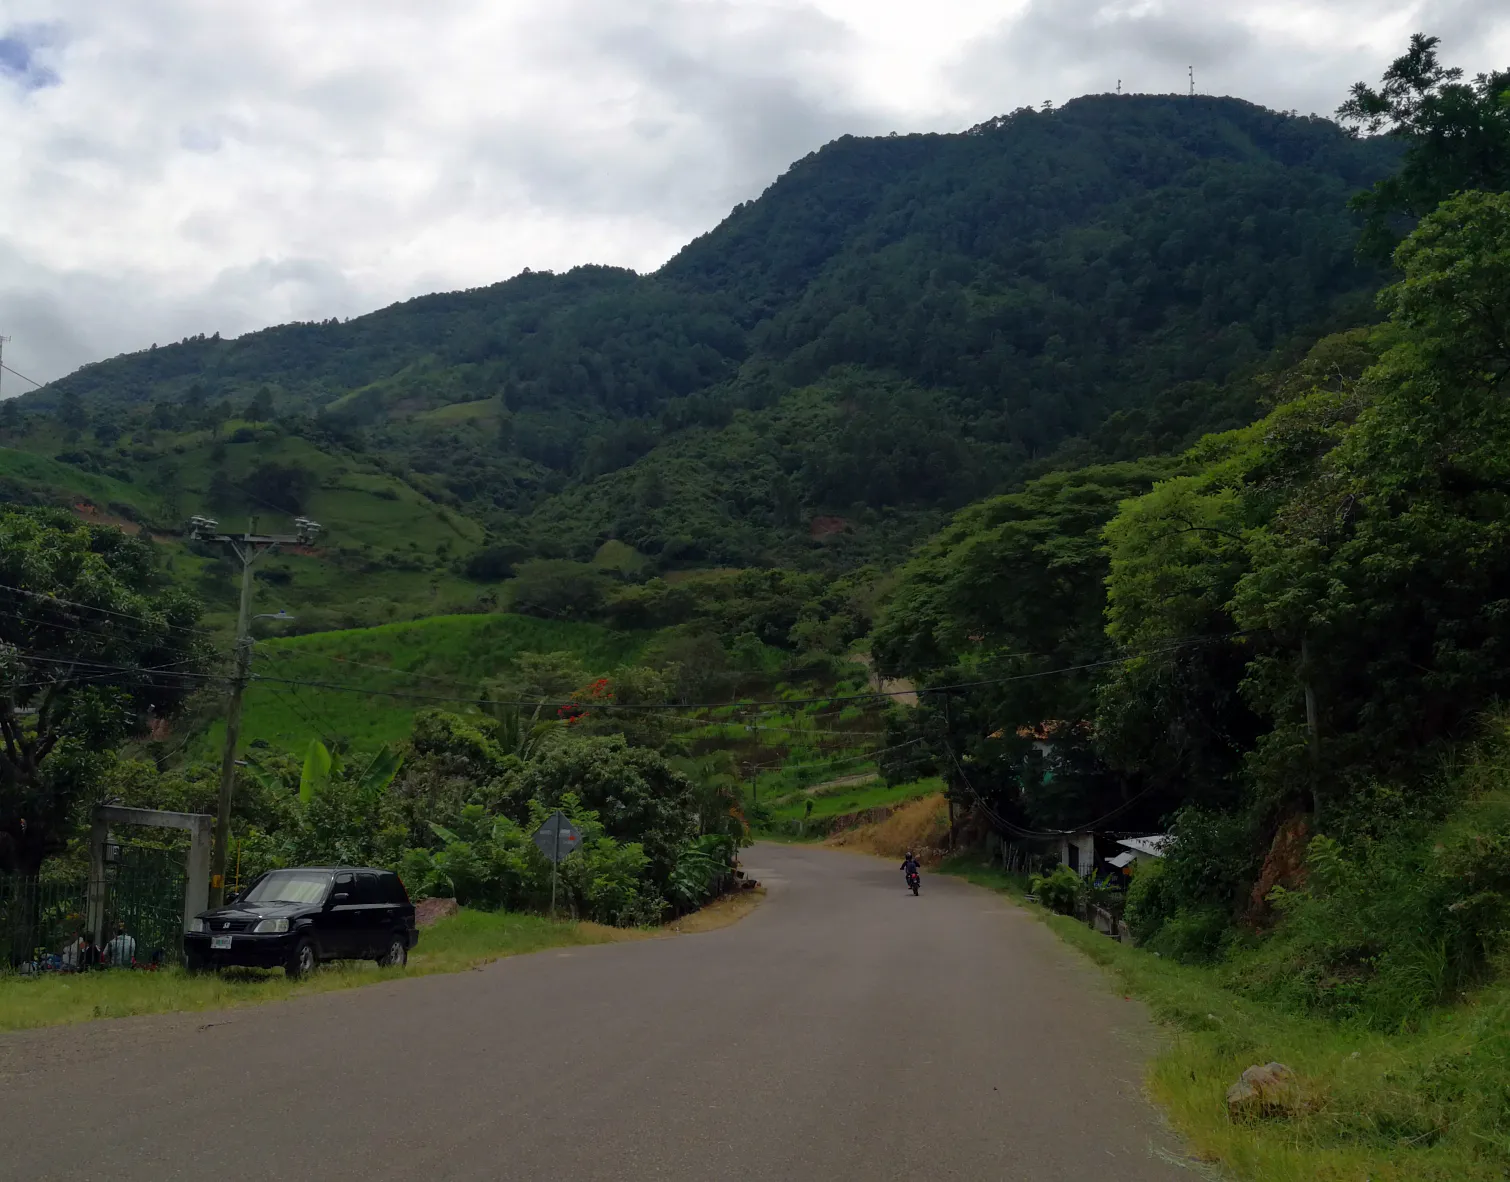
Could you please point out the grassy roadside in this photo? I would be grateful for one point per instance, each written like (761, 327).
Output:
(463, 941)
(1427, 1106)
(460, 942)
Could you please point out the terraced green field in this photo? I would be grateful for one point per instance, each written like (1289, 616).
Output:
(389, 672)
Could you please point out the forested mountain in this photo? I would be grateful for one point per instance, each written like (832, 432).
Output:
(897, 326)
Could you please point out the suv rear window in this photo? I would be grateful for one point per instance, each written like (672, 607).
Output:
(391, 890)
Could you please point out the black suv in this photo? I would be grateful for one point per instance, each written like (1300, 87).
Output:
(297, 918)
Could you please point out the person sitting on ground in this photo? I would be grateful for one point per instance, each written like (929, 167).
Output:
(121, 951)
(76, 953)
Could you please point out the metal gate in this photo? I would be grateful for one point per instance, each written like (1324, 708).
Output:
(142, 899)
(145, 892)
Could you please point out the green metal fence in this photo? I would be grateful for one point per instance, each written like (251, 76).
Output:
(140, 906)
(146, 893)
(38, 917)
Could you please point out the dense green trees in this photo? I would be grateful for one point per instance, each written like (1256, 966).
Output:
(1293, 619)
(93, 644)
(897, 327)
(457, 819)
(1011, 594)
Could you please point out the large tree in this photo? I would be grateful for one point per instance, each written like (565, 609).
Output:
(1392, 567)
(635, 792)
(1008, 602)
(93, 644)
(1457, 137)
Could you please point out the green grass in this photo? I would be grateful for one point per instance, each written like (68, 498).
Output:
(1432, 1106)
(364, 508)
(854, 798)
(467, 939)
(460, 412)
(59, 482)
(440, 657)
(385, 553)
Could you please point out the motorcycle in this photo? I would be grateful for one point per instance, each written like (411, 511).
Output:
(913, 881)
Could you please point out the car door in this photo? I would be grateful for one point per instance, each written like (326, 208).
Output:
(391, 892)
(372, 927)
(338, 935)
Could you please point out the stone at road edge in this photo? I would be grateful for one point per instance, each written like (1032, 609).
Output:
(1270, 1090)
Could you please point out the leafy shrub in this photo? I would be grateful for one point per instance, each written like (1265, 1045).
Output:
(1146, 908)
(557, 589)
(1193, 935)
(1058, 890)
(1385, 929)
(1211, 856)
(490, 861)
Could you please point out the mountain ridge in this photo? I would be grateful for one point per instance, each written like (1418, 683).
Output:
(1009, 289)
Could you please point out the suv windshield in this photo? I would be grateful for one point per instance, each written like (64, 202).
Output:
(290, 886)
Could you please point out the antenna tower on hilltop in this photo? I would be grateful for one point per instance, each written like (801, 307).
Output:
(1192, 81)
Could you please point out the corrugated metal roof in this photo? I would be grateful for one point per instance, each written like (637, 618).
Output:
(1153, 846)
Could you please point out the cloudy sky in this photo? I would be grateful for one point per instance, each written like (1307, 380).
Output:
(170, 167)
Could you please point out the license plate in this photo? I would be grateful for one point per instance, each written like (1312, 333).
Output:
(220, 941)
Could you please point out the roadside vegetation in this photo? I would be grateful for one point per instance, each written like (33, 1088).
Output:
(463, 941)
(1424, 1104)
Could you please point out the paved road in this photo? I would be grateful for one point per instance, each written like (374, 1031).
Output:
(845, 1030)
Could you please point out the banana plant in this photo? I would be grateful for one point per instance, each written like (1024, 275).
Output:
(321, 766)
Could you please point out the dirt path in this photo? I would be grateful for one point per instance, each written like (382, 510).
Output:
(841, 782)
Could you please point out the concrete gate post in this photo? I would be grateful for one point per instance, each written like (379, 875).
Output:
(200, 827)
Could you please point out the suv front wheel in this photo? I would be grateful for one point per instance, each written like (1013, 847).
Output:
(397, 954)
(304, 960)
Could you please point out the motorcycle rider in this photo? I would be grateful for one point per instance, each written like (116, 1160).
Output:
(910, 865)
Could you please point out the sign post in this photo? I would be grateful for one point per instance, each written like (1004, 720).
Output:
(557, 838)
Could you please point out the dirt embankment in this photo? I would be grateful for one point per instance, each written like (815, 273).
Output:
(919, 825)
(900, 689)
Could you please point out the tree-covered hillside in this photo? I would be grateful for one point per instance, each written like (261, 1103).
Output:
(897, 326)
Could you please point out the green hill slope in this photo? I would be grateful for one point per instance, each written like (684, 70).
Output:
(389, 672)
(966, 305)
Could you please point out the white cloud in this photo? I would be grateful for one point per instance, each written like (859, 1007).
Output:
(172, 167)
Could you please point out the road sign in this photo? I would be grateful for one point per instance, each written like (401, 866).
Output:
(557, 837)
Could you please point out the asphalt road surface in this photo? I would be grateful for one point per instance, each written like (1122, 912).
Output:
(844, 1030)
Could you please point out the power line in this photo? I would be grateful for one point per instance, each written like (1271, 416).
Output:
(82, 662)
(287, 655)
(57, 601)
(522, 703)
(325, 732)
(1010, 827)
(858, 757)
(778, 702)
(22, 376)
(790, 730)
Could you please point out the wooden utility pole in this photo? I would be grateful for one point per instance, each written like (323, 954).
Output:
(248, 547)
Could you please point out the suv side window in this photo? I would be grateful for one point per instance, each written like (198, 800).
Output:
(344, 886)
(366, 889)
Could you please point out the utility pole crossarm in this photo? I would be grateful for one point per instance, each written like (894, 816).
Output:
(207, 529)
